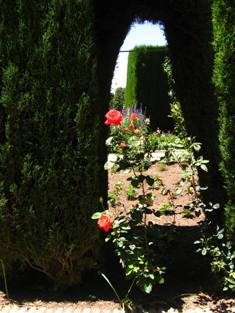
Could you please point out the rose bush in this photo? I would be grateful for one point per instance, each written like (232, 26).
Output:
(132, 243)
(129, 233)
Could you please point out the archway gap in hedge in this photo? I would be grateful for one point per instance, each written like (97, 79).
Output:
(187, 26)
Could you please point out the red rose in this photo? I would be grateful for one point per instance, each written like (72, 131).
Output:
(104, 222)
(137, 131)
(134, 116)
(113, 117)
(122, 145)
(132, 126)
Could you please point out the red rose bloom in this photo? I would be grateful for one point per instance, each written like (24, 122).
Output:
(104, 223)
(134, 116)
(137, 131)
(122, 145)
(132, 126)
(113, 117)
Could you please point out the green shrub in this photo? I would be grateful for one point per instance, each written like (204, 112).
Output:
(117, 100)
(224, 79)
(147, 84)
(49, 155)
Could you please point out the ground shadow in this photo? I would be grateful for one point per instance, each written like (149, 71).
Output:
(187, 273)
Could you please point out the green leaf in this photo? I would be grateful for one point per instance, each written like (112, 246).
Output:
(204, 167)
(149, 180)
(109, 141)
(134, 182)
(151, 276)
(178, 192)
(96, 215)
(141, 178)
(108, 165)
(148, 287)
(197, 146)
(161, 280)
(204, 251)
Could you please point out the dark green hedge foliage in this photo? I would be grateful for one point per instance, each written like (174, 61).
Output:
(224, 79)
(49, 156)
(147, 84)
(51, 142)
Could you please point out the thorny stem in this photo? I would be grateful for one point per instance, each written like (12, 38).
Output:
(193, 181)
(171, 199)
(5, 278)
(145, 215)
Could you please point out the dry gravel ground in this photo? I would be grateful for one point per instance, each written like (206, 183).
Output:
(190, 304)
(170, 176)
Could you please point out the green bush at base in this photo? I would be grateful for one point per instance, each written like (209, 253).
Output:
(49, 159)
(224, 79)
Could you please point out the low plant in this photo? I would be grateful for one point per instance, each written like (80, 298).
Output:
(221, 252)
(131, 192)
(125, 302)
(130, 233)
(160, 141)
(213, 241)
(113, 196)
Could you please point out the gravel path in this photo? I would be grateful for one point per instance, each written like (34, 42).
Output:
(76, 309)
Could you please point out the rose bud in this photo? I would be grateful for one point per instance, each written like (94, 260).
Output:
(134, 116)
(122, 145)
(137, 131)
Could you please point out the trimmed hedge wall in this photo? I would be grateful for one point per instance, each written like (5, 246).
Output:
(147, 84)
(50, 170)
(189, 38)
(224, 79)
(57, 59)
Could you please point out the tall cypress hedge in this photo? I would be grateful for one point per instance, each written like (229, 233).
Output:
(131, 82)
(56, 63)
(224, 79)
(147, 84)
(49, 143)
